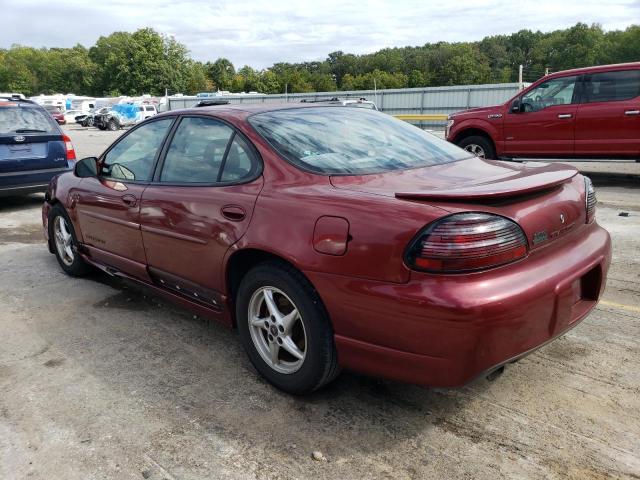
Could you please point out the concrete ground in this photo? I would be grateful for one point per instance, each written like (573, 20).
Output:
(100, 379)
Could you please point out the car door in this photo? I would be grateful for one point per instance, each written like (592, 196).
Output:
(544, 123)
(608, 118)
(108, 206)
(199, 204)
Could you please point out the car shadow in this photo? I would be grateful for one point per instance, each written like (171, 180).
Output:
(14, 203)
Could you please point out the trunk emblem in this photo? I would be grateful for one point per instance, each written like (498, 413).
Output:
(562, 218)
(18, 138)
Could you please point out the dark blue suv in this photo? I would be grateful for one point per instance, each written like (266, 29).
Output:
(33, 149)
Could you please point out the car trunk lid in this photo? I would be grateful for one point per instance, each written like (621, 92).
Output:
(547, 200)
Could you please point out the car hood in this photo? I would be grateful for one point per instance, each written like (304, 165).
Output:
(474, 112)
(472, 179)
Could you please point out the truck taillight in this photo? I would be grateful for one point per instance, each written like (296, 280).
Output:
(71, 153)
(465, 242)
(590, 200)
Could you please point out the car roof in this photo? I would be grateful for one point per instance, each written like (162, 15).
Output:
(242, 109)
(598, 68)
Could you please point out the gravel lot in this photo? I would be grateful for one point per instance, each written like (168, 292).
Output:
(101, 379)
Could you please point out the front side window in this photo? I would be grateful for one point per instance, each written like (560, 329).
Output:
(338, 140)
(612, 86)
(557, 91)
(132, 158)
(196, 151)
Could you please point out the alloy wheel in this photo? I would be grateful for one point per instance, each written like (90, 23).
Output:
(476, 149)
(63, 240)
(277, 330)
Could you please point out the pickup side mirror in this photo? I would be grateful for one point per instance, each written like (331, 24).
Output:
(87, 167)
(516, 106)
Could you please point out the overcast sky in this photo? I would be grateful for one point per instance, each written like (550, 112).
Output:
(260, 32)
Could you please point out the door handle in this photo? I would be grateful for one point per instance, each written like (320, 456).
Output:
(632, 112)
(129, 200)
(565, 115)
(235, 213)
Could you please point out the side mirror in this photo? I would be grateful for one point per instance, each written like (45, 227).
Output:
(516, 106)
(87, 167)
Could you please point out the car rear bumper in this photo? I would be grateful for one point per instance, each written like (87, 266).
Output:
(28, 181)
(446, 330)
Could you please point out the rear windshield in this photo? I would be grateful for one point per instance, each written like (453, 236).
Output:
(338, 140)
(19, 119)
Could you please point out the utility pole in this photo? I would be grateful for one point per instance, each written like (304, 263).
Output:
(520, 77)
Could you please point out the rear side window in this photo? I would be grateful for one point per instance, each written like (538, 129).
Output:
(21, 119)
(612, 86)
(205, 150)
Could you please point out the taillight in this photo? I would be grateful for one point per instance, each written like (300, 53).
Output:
(590, 199)
(465, 242)
(71, 153)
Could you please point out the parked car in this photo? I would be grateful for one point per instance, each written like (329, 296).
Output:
(123, 115)
(336, 238)
(584, 113)
(147, 111)
(346, 102)
(87, 119)
(70, 116)
(56, 113)
(33, 149)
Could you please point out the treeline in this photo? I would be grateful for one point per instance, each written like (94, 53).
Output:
(148, 62)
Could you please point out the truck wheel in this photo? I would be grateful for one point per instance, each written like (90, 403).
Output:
(112, 125)
(479, 146)
(284, 328)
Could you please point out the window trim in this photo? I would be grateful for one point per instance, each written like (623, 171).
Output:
(255, 154)
(587, 79)
(155, 118)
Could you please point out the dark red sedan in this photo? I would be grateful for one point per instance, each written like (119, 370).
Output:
(338, 237)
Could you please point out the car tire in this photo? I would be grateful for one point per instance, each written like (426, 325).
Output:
(309, 330)
(479, 146)
(102, 127)
(65, 243)
(112, 125)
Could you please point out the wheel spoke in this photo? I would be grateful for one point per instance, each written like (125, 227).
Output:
(274, 348)
(289, 345)
(63, 229)
(258, 322)
(68, 251)
(271, 303)
(288, 320)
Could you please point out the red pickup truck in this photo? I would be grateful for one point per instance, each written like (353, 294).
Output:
(583, 113)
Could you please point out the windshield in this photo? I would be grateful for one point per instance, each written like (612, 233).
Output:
(17, 119)
(337, 140)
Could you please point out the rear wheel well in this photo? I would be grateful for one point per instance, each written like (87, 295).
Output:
(244, 260)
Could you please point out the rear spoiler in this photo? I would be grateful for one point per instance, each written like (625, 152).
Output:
(522, 184)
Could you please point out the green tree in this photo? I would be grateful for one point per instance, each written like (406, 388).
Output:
(221, 73)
